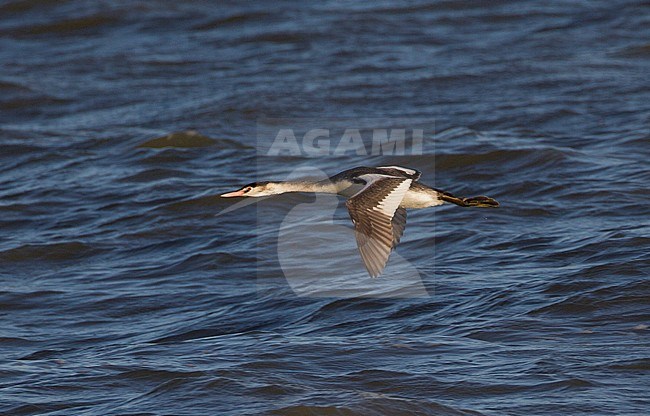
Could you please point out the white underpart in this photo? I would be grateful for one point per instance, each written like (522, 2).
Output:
(418, 200)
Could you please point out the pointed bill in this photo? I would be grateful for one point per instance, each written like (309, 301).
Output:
(233, 194)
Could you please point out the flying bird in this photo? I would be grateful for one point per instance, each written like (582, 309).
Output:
(377, 200)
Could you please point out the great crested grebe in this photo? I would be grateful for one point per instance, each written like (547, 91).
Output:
(377, 202)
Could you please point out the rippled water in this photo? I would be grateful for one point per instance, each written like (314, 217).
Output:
(122, 293)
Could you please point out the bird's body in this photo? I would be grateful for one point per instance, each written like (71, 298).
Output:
(377, 201)
(352, 181)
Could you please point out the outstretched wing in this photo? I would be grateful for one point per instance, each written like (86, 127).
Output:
(378, 220)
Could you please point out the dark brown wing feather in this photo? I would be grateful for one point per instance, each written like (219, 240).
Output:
(378, 221)
(399, 224)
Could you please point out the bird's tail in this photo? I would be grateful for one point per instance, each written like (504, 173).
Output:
(474, 201)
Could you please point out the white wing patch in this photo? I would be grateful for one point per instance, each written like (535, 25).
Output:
(405, 170)
(389, 204)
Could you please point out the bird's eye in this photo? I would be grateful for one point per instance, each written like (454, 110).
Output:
(247, 189)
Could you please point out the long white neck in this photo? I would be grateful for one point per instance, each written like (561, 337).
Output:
(325, 186)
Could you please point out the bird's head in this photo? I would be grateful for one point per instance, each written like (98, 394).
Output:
(254, 189)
